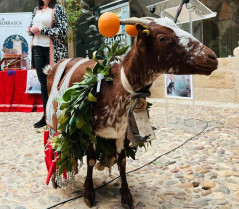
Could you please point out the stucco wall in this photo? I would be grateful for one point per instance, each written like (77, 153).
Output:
(221, 86)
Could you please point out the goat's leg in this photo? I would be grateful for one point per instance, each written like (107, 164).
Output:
(89, 192)
(126, 197)
(53, 180)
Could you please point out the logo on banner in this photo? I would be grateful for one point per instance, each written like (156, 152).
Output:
(16, 42)
(10, 23)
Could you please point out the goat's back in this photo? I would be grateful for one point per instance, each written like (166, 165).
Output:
(76, 76)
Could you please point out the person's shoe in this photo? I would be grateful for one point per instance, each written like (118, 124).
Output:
(40, 123)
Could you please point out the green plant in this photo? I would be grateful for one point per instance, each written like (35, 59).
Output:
(91, 12)
(73, 11)
(76, 118)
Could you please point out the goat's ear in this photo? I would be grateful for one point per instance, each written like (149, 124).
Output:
(143, 31)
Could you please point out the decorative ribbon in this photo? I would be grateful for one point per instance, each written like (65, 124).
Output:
(100, 76)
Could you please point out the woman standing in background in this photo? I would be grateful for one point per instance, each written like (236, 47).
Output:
(49, 29)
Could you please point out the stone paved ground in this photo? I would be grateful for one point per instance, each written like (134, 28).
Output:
(204, 173)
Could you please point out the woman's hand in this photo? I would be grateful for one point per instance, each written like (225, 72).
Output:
(35, 29)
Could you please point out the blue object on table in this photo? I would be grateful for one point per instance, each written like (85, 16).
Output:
(11, 72)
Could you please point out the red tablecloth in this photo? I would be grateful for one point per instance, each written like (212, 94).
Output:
(12, 93)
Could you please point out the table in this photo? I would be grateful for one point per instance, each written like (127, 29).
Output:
(12, 93)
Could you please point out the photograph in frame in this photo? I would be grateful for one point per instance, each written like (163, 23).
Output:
(33, 84)
(179, 86)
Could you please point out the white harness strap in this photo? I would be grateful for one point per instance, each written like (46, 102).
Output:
(125, 82)
(59, 72)
(55, 93)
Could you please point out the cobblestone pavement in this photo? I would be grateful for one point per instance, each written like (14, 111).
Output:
(204, 173)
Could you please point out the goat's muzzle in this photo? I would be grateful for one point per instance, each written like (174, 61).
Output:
(207, 61)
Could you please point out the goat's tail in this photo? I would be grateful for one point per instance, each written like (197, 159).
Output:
(47, 69)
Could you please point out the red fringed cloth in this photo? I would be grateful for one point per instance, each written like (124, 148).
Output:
(50, 157)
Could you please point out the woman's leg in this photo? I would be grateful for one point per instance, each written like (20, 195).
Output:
(41, 59)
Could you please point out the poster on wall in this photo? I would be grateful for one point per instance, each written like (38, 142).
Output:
(121, 8)
(179, 86)
(33, 84)
(14, 39)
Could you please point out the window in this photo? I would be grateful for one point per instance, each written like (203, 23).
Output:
(222, 32)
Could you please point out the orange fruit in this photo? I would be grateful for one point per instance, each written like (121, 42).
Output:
(131, 30)
(109, 24)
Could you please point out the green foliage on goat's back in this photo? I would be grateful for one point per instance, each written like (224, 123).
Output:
(76, 106)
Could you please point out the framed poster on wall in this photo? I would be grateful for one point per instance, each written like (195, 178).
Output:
(121, 8)
(179, 86)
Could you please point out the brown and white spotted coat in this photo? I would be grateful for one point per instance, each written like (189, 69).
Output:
(167, 49)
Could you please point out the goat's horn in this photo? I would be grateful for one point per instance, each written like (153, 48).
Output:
(146, 32)
(149, 18)
(133, 21)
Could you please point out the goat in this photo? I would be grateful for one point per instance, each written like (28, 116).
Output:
(162, 48)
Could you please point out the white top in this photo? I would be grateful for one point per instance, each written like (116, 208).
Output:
(42, 19)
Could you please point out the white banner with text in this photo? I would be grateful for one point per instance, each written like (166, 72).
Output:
(14, 39)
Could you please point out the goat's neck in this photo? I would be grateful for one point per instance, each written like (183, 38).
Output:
(136, 69)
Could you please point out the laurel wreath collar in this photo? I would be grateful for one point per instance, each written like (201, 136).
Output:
(76, 118)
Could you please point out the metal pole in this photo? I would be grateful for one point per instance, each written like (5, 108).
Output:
(190, 20)
(191, 31)
(166, 107)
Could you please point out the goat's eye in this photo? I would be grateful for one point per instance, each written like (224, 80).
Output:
(162, 39)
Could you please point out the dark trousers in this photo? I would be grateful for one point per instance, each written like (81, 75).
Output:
(40, 60)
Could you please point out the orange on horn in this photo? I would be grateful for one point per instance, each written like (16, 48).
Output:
(131, 29)
(109, 24)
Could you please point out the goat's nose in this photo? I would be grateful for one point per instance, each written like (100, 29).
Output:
(212, 56)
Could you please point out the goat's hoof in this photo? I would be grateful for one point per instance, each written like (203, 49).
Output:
(89, 198)
(126, 198)
(53, 181)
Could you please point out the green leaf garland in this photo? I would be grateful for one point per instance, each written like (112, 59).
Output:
(76, 118)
